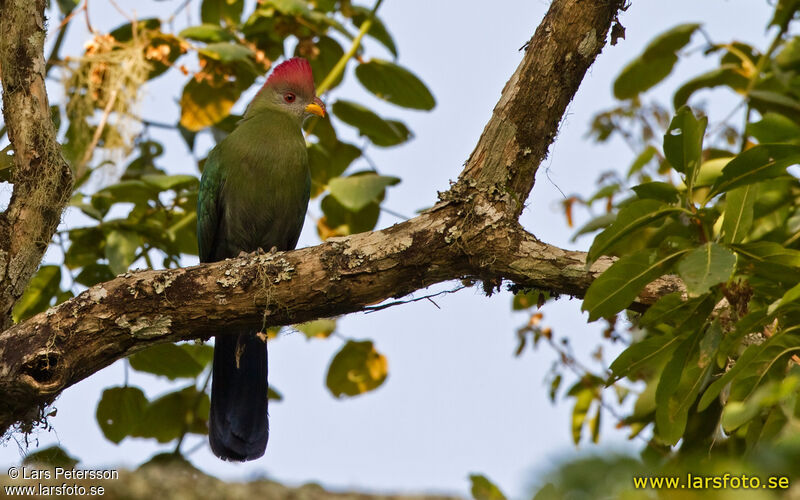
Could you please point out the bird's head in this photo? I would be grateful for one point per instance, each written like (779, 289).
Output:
(290, 88)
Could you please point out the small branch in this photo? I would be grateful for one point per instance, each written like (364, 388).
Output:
(341, 64)
(371, 309)
(80, 170)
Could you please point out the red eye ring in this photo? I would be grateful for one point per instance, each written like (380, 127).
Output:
(289, 97)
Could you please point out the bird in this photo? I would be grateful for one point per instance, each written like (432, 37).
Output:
(253, 196)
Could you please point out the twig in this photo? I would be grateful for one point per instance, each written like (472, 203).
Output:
(760, 65)
(396, 214)
(177, 11)
(62, 33)
(88, 21)
(338, 69)
(122, 12)
(371, 309)
(197, 400)
(97, 133)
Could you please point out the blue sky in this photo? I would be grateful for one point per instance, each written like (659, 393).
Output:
(457, 401)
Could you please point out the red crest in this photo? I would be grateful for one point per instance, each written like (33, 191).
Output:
(294, 73)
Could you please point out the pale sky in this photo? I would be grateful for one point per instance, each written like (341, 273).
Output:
(457, 401)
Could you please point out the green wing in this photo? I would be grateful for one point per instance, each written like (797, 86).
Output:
(209, 206)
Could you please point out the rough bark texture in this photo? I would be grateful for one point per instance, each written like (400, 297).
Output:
(42, 179)
(471, 233)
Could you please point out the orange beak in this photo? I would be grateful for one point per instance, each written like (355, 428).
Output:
(317, 107)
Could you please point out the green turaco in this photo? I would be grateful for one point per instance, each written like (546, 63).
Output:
(253, 195)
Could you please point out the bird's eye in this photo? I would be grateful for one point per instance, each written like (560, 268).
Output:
(289, 97)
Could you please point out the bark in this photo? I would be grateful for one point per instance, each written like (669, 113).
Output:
(42, 179)
(472, 232)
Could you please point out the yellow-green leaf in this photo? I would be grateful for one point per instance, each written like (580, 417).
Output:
(356, 369)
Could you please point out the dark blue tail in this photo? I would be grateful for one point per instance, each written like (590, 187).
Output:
(238, 427)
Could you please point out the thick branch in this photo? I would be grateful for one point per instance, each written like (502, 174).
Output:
(472, 232)
(42, 179)
(526, 119)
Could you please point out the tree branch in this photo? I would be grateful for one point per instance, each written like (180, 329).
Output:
(471, 233)
(42, 179)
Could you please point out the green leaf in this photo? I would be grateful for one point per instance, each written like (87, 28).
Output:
(661, 191)
(381, 132)
(769, 252)
(208, 33)
(738, 217)
(620, 284)
(727, 74)
(583, 401)
(710, 171)
(483, 489)
(124, 33)
(202, 353)
(737, 413)
(325, 58)
(754, 362)
(788, 58)
(343, 222)
(321, 328)
(94, 273)
(633, 216)
(119, 412)
(682, 379)
(765, 161)
(203, 105)
(166, 418)
(357, 368)
(358, 191)
(121, 249)
(664, 310)
(228, 52)
(642, 159)
(767, 100)
(52, 456)
(774, 127)
(87, 245)
(672, 309)
(171, 182)
(217, 11)
(289, 7)
(528, 298)
(327, 162)
(683, 144)
(395, 84)
(130, 191)
(789, 298)
(67, 6)
(654, 64)
(6, 164)
(168, 360)
(41, 289)
(706, 266)
(785, 11)
(599, 222)
(274, 395)
(377, 31)
(643, 355)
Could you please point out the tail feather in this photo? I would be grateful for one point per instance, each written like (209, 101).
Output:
(238, 423)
